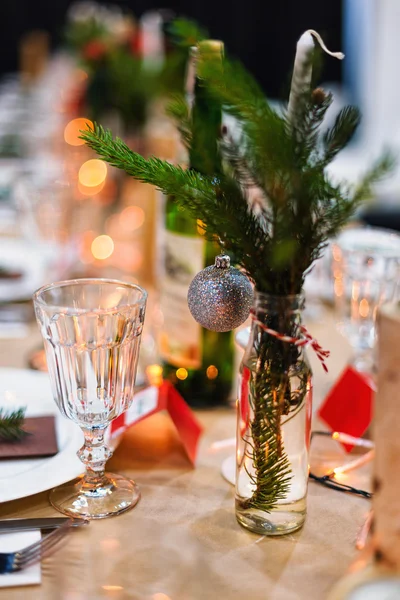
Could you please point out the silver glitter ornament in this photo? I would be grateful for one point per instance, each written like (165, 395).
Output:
(220, 297)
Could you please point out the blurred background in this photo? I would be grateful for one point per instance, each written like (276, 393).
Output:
(262, 34)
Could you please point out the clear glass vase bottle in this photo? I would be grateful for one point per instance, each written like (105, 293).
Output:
(274, 420)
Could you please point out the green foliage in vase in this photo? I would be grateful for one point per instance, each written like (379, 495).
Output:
(11, 423)
(280, 162)
(300, 207)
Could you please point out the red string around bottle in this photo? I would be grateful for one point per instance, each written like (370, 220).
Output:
(305, 340)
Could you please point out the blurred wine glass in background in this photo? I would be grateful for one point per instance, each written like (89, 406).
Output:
(366, 269)
(318, 286)
(45, 204)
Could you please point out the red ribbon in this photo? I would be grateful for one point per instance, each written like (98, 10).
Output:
(305, 340)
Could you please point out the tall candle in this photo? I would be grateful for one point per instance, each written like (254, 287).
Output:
(302, 71)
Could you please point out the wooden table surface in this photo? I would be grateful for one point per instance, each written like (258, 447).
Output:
(182, 541)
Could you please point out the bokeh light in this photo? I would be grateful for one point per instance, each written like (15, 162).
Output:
(73, 130)
(181, 373)
(91, 190)
(102, 247)
(131, 218)
(154, 374)
(92, 173)
(212, 372)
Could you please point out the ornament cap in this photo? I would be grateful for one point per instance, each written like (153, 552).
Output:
(222, 261)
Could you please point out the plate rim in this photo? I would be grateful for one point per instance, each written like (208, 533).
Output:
(60, 468)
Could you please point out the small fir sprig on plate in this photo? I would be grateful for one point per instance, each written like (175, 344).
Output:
(11, 425)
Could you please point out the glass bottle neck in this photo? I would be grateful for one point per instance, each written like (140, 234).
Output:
(282, 314)
(206, 114)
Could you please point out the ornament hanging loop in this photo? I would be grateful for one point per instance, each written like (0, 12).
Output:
(222, 261)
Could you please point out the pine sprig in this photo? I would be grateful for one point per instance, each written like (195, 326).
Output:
(337, 137)
(186, 33)
(11, 422)
(304, 208)
(225, 210)
(272, 472)
(178, 110)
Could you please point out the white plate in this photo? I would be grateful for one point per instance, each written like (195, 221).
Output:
(31, 260)
(24, 477)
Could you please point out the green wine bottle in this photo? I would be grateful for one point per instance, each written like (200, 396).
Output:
(199, 362)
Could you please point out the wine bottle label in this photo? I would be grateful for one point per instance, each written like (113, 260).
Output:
(180, 342)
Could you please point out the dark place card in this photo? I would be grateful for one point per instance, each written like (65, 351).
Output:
(40, 440)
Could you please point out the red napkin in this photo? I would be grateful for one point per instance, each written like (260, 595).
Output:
(163, 398)
(348, 406)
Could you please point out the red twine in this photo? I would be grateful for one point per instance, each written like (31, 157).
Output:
(305, 340)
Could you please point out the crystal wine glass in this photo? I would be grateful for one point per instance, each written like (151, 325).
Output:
(366, 270)
(92, 330)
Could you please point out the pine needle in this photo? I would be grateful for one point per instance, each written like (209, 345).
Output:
(11, 422)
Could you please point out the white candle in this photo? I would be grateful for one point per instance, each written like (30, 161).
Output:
(302, 71)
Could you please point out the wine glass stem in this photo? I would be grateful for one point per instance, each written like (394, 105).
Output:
(94, 454)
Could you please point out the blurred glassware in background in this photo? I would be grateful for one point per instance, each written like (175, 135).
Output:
(318, 286)
(46, 216)
(366, 270)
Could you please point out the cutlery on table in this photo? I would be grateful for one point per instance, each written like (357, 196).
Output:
(11, 562)
(10, 525)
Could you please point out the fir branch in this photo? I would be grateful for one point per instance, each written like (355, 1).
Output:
(186, 33)
(178, 110)
(268, 145)
(337, 137)
(224, 209)
(306, 130)
(383, 166)
(11, 422)
(272, 472)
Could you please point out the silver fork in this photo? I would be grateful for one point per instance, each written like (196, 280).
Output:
(16, 561)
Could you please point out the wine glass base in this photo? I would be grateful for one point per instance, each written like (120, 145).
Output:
(115, 495)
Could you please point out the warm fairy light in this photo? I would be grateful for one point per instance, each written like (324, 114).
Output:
(181, 373)
(335, 435)
(112, 588)
(212, 372)
(92, 173)
(336, 253)
(355, 290)
(364, 308)
(338, 287)
(354, 464)
(91, 190)
(102, 247)
(73, 130)
(154, 374)
(131, 218)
